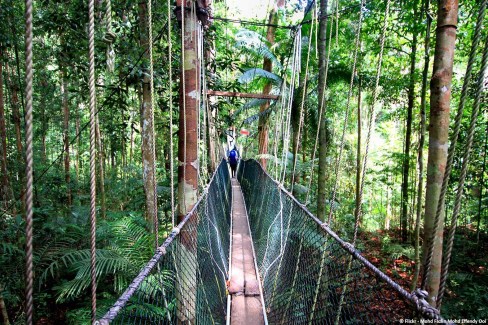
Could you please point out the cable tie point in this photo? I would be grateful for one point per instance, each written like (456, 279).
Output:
(176, 230)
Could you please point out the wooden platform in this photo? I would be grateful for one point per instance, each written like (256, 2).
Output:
(246, 307)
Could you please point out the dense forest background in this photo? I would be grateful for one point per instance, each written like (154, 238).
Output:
(124, 237)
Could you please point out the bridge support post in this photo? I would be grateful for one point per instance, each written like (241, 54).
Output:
(191, 15)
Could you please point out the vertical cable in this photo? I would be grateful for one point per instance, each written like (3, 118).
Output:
(93, 195)
(171, 154)
(152, 142)
(29, 300)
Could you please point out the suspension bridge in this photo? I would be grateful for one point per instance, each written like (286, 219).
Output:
(246, 251)
(294, 269)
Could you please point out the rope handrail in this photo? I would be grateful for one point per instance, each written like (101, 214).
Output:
(415, 298)
(158, 256)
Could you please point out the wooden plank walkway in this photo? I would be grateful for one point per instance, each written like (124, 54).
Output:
(246, 307)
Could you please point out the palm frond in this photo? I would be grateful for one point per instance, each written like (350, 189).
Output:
(253, 42)
(255, 117)
(254, 73)
(255, 102)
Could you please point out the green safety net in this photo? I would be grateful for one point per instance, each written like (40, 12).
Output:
(308, 274)
(185, 281)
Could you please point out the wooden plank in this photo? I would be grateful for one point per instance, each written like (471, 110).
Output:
(240, 95)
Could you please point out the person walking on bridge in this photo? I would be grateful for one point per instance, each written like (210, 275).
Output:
(233, 160)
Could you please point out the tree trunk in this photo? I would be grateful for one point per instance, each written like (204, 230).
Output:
(3, 135)
(78, 149)
(358, 153)
(147, 135)
(44, 124)
(65, 103)
(440, 98)
(14, 89)
(211, 108)
(408, 133)
(187, 137)
(322, 174)
(101, 175)
(267, 66)
(3, 308)
(190, 91)
(482, 185)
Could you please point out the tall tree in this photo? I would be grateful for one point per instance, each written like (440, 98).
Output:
(440, 99)
(267, 66)
(420, 155)
(65, 104)
(408, 131)
(147, 135)
(3, 135)
(322, 191)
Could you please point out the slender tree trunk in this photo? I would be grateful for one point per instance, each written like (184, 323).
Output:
(65, 103)
(358, 153)
(440, 99)
(3, 308)
(323, 134)
(263, 138)
(211, 107)
(408, 133)
(147, 128)
(482, 185)
(3, 135)
(101, 175)
(44, 124)
(78, 149)
(14, 89)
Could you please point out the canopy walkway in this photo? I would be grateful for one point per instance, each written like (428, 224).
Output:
(307, 274)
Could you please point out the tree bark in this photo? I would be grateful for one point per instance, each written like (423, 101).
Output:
(482, 185)
(187, 137)
(358, 153)
(3, 308)
(147, 135)
(65, 104)
(440, 90)
(14, 89)
(420, 155)
(408, 133)
(101, 175)
(322, 174)
(263, 138)
(3, 135)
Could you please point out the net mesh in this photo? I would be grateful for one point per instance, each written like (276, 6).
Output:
(185, 281)
(308, 277)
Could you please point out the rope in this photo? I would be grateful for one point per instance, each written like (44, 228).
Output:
(93, 184)
(171, 154)
(29, 303)
(371, 120)
(302, 104)
(323, 108)
(457, 126)
(462, 177)
(348, 105)
(183, 96)
(151, 128)
(296, 66)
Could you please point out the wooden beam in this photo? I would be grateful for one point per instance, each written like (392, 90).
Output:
(240, 95)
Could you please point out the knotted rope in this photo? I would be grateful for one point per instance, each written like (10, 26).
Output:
(29, 303)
